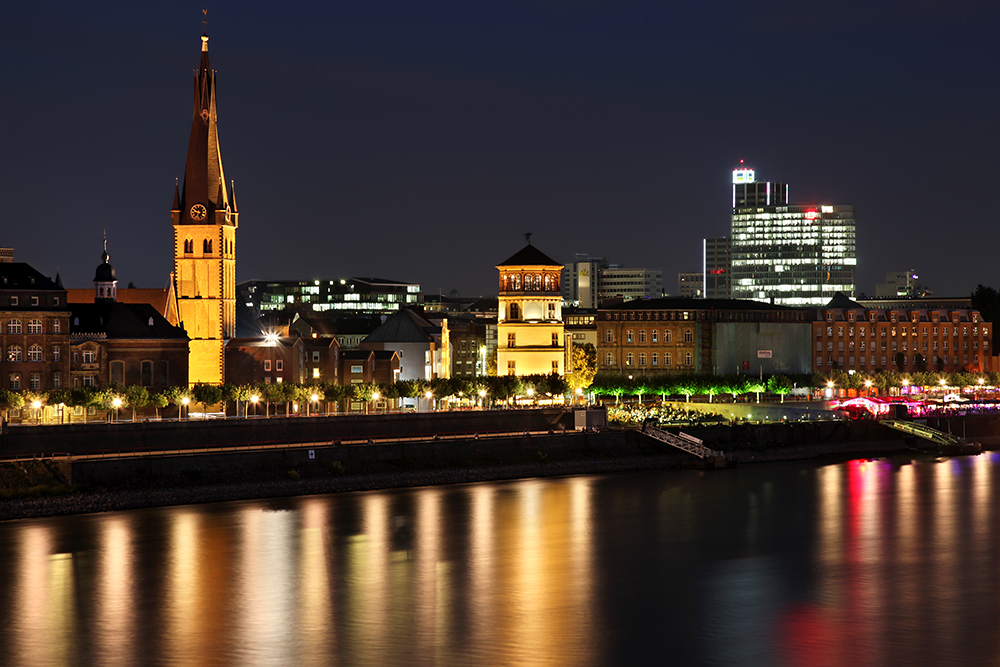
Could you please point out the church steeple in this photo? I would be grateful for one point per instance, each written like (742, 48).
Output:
(204, 199)
(204, 221)
(105, 283)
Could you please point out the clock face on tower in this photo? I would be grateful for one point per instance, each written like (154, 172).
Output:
(198, 212)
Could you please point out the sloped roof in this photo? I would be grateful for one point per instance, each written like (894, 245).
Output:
(841, 300)
(18, 275)
(121, 320)
(529, 255)
(403, 326)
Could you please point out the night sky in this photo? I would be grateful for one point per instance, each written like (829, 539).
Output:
(419, 141)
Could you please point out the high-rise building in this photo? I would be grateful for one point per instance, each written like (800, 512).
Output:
(790, 254)
(580, 281)
(204, 219)
(715, 268)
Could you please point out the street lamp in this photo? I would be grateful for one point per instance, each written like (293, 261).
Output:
(117, 403)
(375, 397)
(868, 387)
(184, 404)
(482, 398)
(37, 405)
(315, 399)
(429, 395)
(254, 399)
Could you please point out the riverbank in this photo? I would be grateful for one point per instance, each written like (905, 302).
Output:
(297, 471)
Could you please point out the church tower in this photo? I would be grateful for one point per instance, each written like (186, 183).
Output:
(204, 219)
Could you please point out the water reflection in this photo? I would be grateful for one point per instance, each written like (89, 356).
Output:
(858, 563)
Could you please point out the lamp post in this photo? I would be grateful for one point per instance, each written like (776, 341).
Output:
(253, 399)
(868, 388)
(375, 397)
(482, 398)
(314, 398)
(117, 403)
(579, 394)
(430, 404)
(184, 404)
(37, 405)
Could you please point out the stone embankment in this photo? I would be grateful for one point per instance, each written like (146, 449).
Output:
(150, 481)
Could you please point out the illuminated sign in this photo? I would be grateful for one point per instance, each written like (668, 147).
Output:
(811, 215)
(743, 176)
(763, 354)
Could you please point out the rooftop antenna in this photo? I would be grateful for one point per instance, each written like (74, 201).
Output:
(527, 237)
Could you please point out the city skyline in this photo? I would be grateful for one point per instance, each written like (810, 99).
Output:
(449, 132)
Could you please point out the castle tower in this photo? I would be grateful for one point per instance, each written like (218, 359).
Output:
(529, 322)
(204, 219)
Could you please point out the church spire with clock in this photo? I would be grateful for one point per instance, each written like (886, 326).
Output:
(204, 219)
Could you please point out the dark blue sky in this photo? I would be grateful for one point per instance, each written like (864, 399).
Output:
(419, 141)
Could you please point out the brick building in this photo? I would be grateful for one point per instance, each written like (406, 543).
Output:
(865, 337)
(34, 326)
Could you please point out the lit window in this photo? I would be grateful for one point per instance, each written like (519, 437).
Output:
(35, 327)
(14, 326)
(14, 353)
(89, 356)
(56, 327)
(35, 353)
(267, 365)
(15, 381)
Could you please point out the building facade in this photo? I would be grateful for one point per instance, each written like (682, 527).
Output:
(715, 268)
(905, 337)
(690, 285)
(348, 296)
(35, 330)
(638, 283)
(204, 219)
(581, 281)
(702, 336)
(529, 320)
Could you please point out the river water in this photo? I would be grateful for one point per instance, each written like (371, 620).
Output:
(887, 562)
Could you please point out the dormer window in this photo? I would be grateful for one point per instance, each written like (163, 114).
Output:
(151, 321)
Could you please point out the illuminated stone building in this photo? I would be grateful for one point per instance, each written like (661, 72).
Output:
(34, 329)
(788, 254)
(869, 336)
(204, 219)
(716, 336)
(529, 321)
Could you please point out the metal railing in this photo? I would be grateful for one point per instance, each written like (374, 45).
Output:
(921, 431)
(682, 441)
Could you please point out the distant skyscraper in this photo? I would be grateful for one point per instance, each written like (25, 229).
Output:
(789, 254)
(716, 268)
(580, 281)
(690, 285)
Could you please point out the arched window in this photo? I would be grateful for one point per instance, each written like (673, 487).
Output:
(549, 283)
(516, 280)
(206, 246)
(35, 327)
(14, 353)
(188, 245)
(146, 374)
(35, 353)
(14, 327)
